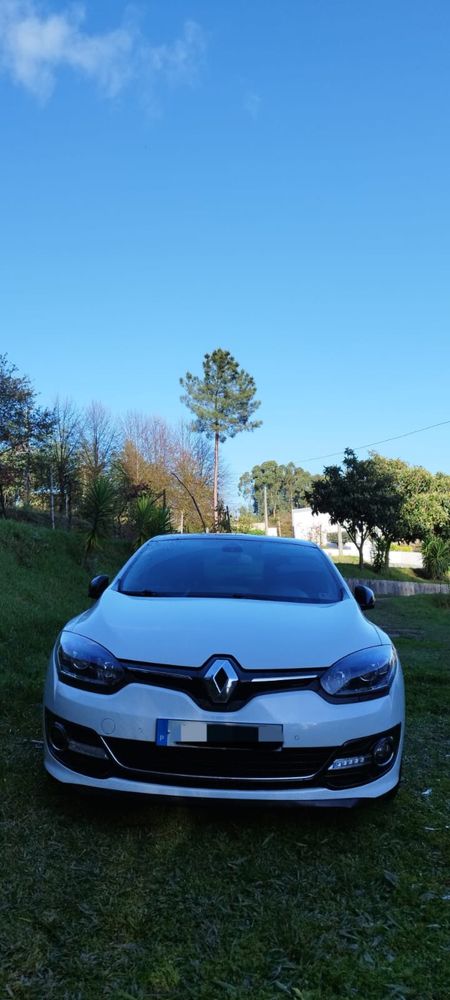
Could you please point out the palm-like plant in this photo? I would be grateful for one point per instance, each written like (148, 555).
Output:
(436, 557)
(99, 507)
(149, 520)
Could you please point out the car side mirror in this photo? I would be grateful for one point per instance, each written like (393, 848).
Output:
(364, 596)
(98, 585)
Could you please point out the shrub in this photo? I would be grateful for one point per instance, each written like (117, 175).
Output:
(379, 553)
(436, 557)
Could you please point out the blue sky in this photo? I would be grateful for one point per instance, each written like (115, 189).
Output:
(271, 178)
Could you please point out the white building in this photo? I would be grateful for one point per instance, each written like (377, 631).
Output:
(311, 527)
(317, 527)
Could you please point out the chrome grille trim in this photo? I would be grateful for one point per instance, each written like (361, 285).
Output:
(274, 678)
(207, 777)
(193, 681)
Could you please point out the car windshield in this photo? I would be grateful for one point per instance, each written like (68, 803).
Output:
(227, 567)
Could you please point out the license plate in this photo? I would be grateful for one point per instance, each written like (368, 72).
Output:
(176, 732)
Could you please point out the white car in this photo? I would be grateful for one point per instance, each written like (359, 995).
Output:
(227, 667)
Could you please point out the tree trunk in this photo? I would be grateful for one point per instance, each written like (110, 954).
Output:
(69, 507)
(62, 493)
(386, 553)
(52, 501)
(2, 503)
(216, 481)
(266, 518)
(27, 482)
(361, 553)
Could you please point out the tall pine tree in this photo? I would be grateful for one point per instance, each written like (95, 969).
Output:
(223, 402)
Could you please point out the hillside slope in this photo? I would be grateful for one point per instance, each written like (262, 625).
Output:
(44, 582)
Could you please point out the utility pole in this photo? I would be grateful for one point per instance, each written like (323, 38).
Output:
(266, 517)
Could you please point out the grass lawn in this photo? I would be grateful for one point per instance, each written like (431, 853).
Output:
(131, 899)
(348, 566)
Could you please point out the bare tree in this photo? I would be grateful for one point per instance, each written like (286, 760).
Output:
(193, 472)
(175, 460)
(147, 449)
(99, 440)
(64, 450)
(134, 433)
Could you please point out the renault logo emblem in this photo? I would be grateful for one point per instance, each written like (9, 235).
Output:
(221, 679)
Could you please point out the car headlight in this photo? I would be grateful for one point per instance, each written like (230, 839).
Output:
(367, 672)
(87, 663)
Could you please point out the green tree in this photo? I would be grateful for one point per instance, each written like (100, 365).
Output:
(355, 495)
(223, 402)
(296, 481)
(244, 523)
(23, 428)
(286, 486)
(252, 484)
(441, 524)
(416, 508)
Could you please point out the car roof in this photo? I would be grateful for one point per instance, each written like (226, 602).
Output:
(222, 536)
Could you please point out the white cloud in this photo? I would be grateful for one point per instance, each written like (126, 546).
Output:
(35, 45)
(179, 62)
(252, 104)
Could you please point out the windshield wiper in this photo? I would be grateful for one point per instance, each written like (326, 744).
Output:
(238, 596)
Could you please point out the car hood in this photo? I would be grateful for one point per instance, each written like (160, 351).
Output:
(260, 635)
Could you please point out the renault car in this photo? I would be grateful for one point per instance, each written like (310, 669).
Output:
(227, 667)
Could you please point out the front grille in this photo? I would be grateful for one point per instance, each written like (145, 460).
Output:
(191, 681)
(218, 767)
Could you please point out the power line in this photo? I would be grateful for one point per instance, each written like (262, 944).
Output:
(372, 444)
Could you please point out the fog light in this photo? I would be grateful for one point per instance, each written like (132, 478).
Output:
(383, 751)
(343, 762)
(58, 737)
(89, 751)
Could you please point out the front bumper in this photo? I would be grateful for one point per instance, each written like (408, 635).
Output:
(120, 730)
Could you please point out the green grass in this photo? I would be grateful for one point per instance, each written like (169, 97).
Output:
(130, 900)
(348, 566)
